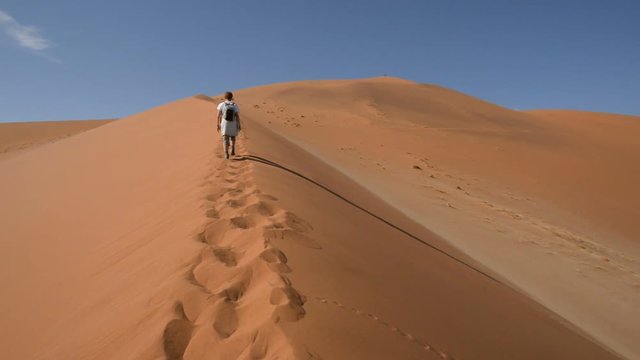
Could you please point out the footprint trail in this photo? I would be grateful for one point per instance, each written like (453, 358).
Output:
(237, 289)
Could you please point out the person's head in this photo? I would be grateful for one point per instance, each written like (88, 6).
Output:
(228, 95)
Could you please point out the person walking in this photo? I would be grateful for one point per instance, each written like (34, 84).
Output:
(228, 123)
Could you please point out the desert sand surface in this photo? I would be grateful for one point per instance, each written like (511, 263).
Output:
(363, 219)
(19, 136)
(547, 199)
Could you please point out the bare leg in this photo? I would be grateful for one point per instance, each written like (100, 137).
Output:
(225, 144)
(233, 145)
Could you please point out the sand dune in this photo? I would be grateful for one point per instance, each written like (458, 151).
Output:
(547, 199)
(19, 136)
(364, 219)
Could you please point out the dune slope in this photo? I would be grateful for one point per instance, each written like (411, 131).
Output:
(375, 291)
(19, 136)
(547, 199)
(97, 233)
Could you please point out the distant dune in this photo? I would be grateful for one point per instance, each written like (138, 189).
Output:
(362, 219)
(17, 136)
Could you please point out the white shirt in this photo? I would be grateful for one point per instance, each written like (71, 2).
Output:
(229, 128)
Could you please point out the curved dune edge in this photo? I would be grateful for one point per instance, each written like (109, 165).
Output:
(136, 240)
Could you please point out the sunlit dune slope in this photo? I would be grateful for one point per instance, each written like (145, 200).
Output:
(18, 136)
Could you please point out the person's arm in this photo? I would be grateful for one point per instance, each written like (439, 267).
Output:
(238, 120)
(219, 119)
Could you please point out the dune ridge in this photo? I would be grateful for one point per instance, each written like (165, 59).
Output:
(238, 283)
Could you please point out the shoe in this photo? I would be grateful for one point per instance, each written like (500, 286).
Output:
(233, 153)
(226, 155)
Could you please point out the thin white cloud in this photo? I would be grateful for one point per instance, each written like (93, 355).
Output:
(27, 36)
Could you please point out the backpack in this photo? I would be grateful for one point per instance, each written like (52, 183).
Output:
(229, 112)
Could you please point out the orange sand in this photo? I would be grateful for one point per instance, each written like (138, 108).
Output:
(17, 137)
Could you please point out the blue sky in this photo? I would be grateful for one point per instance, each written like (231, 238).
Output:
(87, 59)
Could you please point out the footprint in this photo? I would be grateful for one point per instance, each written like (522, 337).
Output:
(233, 293)
(215, 232)
(233, 192)
(226, 322)
(215, 277)
(238, 171)
(273, 255)
(233, 185)
(235, 203)
(242, 222)
(212, 214)
(221, 197)
(226, 256)
(263, 208)
(176, 337)
(291, 236)
(289, 304)
(239, 165)
(292, 221)
(276, 260)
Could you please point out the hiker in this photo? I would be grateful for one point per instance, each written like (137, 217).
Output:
(228, 123)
